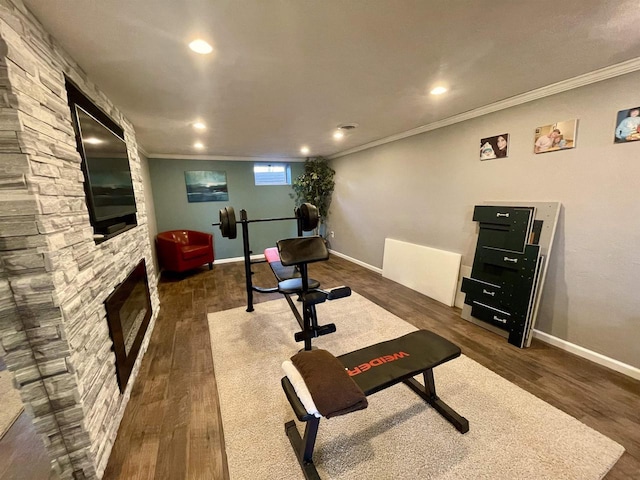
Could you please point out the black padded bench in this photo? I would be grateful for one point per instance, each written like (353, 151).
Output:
(284, 274)
(375, 368)
(288, 262)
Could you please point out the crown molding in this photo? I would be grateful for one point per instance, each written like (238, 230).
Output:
(587, 79)
(175, 156)
(142, 151)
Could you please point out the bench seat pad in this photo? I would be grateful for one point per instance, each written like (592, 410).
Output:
(379, 366)
(281, 272)
(289, 280)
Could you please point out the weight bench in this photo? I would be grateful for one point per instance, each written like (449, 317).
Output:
(373, 369)
(288, 262)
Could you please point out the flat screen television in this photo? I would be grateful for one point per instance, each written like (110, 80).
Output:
(105, 163)
(107, 169)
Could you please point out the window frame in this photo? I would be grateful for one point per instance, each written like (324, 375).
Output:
(287, 174)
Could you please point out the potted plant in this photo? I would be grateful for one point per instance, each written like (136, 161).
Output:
(315, 185)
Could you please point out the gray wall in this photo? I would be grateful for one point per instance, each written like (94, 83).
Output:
(150, 206)
(174, 212)
(422, 189)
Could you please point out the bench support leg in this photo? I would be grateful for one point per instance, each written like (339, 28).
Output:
(294, 310)
(303, 447)
(308, 322)
(247, 261)
(428, 394)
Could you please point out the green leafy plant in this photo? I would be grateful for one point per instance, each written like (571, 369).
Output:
(315, 185)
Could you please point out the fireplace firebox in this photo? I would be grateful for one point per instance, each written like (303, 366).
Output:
(128, 315)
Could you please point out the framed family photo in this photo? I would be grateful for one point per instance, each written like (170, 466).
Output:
(206, 186)
(628, 125)
(555, 136)
(494, 147)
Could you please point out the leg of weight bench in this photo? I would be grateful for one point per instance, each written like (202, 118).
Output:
(303, 448)
(302, 321)
(428, 394)
(294, 310)
(310, 317)
(310, 323)
(247, 263)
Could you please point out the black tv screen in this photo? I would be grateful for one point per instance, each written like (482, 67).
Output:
(107, 170)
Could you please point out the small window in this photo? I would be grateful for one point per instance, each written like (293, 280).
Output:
(272, 174)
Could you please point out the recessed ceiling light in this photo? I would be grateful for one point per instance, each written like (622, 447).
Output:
(304, 150)
(199, 126)
(200, 46)
(338, 134)
(93, 140)
(438, 91)
(198, 145)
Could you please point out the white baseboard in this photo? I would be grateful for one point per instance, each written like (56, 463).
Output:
(237, 259)
(333, 252)
(357, 262)
(598, 358)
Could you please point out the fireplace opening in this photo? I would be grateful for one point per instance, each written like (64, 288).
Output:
(128, 314)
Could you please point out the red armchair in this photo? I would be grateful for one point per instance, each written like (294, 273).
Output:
(180, 250)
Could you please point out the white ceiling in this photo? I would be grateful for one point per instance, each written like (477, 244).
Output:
(287, 72)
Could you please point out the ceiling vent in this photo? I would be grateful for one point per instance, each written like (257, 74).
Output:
(347, 127)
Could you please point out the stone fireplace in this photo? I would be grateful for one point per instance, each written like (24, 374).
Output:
(54, 278)
(128, 314)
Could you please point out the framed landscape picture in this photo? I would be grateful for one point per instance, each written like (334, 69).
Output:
(206, 186)
(628, 125)
(494, 147)
(555, 136)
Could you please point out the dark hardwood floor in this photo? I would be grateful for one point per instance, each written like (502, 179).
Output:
(171, 428)
(22, 454)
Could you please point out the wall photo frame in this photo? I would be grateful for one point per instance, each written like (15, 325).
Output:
(556, 136)
(206, 186)
(627, 126)
(494, 147)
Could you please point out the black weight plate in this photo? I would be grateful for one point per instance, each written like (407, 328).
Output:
(228, 223)
(233, 232)
(309, 215)
(224, 222)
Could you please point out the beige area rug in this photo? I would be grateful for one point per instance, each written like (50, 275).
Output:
(512, 435)
(10, 403)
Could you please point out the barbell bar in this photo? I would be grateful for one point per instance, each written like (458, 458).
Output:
(307, 214)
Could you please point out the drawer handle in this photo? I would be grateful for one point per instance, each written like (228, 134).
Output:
(502, 215)
(507, 259)
(493, 294)
(498, 319)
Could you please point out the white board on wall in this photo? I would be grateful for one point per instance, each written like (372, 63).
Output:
(427, 270)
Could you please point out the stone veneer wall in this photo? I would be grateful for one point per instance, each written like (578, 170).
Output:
(53, 278)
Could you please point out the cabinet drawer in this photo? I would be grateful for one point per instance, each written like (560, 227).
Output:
(502, 215)
(481, 291)
(505, 268)
(504, 227)
(509, 259)
(498, 318)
